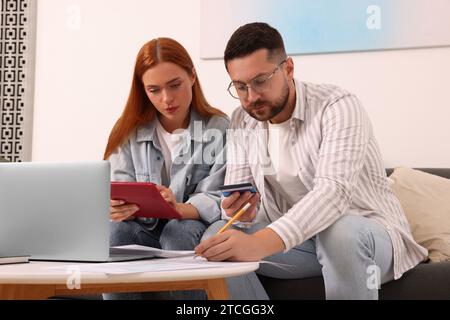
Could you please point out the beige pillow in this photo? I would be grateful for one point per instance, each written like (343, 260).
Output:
(425, 198)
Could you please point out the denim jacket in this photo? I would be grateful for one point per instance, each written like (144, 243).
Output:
(197, 171)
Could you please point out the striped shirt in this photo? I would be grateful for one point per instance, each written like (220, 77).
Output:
(337, 159)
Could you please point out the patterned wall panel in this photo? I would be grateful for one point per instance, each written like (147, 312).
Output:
(17, 59)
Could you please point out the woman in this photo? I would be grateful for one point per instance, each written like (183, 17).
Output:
(168, 134)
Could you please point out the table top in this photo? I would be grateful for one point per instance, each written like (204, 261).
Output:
(37, 272)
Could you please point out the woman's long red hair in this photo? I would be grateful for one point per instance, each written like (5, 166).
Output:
(138, 109)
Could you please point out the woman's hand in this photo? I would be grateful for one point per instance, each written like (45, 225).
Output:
(186, 210)
(168, 195)
(119, 211)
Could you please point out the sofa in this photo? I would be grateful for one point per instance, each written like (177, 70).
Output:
(425, 281)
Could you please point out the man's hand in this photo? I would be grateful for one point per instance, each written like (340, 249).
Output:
(234, 245)
(235, 201)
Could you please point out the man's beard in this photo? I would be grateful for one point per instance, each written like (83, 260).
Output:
(274, 108)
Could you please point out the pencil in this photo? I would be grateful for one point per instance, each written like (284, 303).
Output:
(235, 217)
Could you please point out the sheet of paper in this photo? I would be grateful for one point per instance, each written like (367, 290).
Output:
(153, 265)
(138, 249)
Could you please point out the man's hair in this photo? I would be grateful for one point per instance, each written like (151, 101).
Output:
(252, 37)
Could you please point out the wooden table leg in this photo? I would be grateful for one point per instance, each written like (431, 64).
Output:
(26, 291)
(216, 289)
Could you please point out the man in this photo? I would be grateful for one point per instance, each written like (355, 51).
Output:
(324, 205)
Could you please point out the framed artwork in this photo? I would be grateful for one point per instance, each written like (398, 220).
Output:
(327, 26)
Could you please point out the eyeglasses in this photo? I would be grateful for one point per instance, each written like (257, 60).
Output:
(239, 90)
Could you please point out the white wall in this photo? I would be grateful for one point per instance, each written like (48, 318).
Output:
(83, 77)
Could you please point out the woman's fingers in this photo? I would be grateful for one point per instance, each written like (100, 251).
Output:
(123, 212)
(121, 216)
(114, 203)
(124, 208)
(167, 195)
(165, 192)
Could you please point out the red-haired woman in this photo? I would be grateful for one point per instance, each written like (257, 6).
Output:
(168, 134)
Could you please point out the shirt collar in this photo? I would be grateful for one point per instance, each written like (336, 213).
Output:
(300, 101)
(147, 132)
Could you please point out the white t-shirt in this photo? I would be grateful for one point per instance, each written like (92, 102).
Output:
(170, 147)
(285, 179)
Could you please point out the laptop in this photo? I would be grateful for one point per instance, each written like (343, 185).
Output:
(58, 211)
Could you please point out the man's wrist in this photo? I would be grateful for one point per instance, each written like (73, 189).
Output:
(270, 241)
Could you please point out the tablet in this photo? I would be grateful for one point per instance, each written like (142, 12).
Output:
(227, 190)
(146, 196)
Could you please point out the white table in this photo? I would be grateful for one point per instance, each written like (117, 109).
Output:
(34, 281)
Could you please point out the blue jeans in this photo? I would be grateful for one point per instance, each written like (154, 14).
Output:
(167, 235)
(354, 256)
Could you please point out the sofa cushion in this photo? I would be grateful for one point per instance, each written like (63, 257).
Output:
(427, 281)
(425, 198)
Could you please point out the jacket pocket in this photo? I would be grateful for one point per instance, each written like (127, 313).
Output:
(142, 178)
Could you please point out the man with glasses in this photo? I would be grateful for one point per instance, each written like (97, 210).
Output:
(324, 206)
